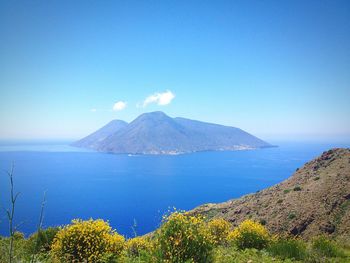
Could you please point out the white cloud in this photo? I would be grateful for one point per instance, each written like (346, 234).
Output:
(93, 110)
(159, 98)
(119, 105)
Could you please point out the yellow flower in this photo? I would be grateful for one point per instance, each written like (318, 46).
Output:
(219, 229)
(87, 241)
(249, 234)
(184, 238)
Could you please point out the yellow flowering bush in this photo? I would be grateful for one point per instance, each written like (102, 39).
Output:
(136, 245)
(249, 234)
(86, 241)
(184, 238)
(219, 229)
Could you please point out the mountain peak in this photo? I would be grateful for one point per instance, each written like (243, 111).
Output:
(154, 114)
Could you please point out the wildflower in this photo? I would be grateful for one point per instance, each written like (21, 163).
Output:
(249, 234)
(184, 238)
(86, 241)
(219, 229)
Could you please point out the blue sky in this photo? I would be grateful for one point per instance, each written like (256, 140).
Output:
(277, 69)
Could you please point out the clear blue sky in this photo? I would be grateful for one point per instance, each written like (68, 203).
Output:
(273, 68)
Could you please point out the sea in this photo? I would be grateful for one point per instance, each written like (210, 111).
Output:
(133, 192)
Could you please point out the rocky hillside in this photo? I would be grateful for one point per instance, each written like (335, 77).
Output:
(314, 200)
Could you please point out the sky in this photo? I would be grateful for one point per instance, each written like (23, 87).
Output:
(277, 69)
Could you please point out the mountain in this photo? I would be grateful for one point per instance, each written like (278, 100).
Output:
(94, 139)
(314, 200)
(157, 133)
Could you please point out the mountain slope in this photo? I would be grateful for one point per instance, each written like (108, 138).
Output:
(314, 200)
(92, 141)
(225, 136)
(157, 133)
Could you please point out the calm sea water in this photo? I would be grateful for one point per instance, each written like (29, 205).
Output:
(125, 189)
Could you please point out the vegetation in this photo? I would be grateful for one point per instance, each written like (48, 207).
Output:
(184, 238)
(181, 238)
(219, 229)
(10, 216)
(292, 248)
(291, 216)
(297, 188)
(41, 241)
(249, 234)
(137, 246)
(325, 248)
(86, 241)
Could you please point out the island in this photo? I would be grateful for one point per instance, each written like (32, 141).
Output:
(157, 133)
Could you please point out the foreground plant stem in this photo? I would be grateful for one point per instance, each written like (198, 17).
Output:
(11, 213)
(41, 218)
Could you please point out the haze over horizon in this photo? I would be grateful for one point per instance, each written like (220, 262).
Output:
(273, 69)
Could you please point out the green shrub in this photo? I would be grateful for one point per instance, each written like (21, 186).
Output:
(19, 252)
(86, 241)
(326, 248)
(286, 191)
(249, 234)
(288, 248)
(263, 222)
(224, 254)
(18, 235)
(135, 246)
(291, 216)
(219, 229)
(297, 188)
(184, 238)
(41, 241)
(108, 258)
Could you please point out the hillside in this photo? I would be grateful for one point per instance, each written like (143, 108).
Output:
(157, 133)
(314, 200)
(92, 141)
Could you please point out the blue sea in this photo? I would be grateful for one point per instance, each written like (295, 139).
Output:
(129, 189)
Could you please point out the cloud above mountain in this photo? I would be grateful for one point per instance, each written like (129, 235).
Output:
(160, 98)
(119, 105)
